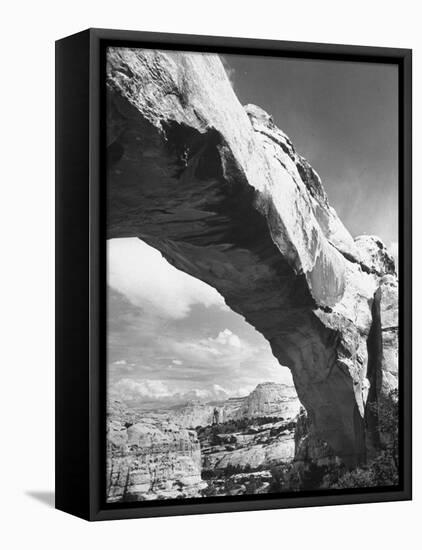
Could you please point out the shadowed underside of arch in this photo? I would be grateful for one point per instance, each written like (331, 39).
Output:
(221, 192)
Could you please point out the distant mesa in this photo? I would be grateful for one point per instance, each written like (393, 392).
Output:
(158, 454)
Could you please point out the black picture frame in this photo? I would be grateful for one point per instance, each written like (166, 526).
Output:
(80, 272)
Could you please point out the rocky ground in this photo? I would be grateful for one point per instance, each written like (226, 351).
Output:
(201, 449)
(238, 456)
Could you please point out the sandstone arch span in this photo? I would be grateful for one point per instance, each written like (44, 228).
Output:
(222, 193)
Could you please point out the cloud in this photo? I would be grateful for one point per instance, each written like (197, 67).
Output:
(163, 337)
(226, 346)
(147, 280)
(211, 393)
(227, 338)
(219, 392)
(121, 368)
(128, 389)
(157, 393)
(213, 358)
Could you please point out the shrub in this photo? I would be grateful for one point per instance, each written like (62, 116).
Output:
(382, 470)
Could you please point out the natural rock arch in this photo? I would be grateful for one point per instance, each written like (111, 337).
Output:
(222, 193)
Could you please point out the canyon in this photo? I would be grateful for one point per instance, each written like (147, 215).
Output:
(222, 193)
(190, 451)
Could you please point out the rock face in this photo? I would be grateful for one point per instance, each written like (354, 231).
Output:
(148, 461)
(222, 193)
(389, 312)
(239, 456)
(157, 455)
(259, 448)
(194, 414)
(269, 399)
(266, 400)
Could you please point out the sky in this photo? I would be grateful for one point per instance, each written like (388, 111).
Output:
(343, 118)
(171, 338)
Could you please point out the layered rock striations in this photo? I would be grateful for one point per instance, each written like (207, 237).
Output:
(271, 400)
(388, 295)
(156, 454)
(222, 193)
(149, 460)
(257, 447)
(266, 400)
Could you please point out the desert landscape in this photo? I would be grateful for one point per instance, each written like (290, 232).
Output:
(202, 449)
(239, 230)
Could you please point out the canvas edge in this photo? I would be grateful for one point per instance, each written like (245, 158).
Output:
(95, 455)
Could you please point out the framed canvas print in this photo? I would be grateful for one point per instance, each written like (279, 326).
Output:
(233, 274)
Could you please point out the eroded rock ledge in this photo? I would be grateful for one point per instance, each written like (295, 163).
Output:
(151, 459)
(222, 193)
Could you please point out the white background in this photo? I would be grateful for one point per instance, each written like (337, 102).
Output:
(27, 273)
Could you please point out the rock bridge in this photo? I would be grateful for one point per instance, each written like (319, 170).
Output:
(224, 196)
